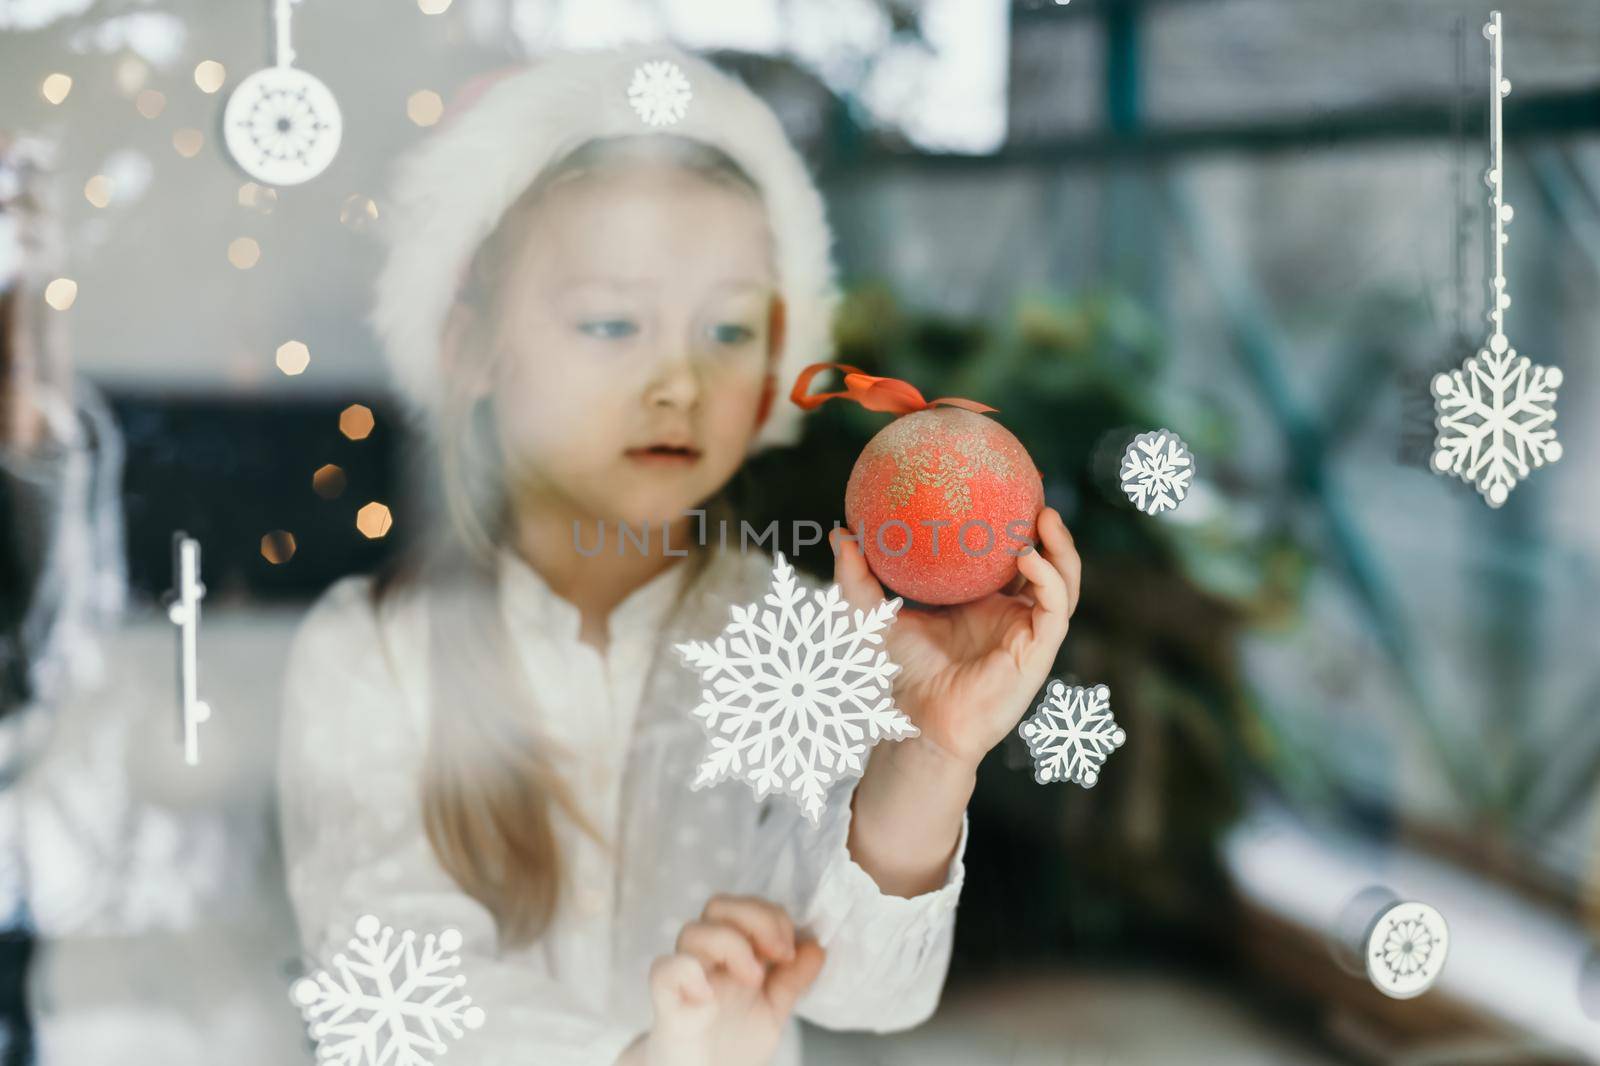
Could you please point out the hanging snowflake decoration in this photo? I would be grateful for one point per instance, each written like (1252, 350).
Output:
(1156, 471)
(1071, 733)
(660, 92)
(1496, 413)
(1495, 420)
(387, 1003)
(797, 692)
(1406, 950)
(282, 125)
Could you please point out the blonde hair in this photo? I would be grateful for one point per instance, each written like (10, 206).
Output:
(490, 788)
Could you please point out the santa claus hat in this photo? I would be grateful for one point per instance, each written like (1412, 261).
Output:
(450, 191)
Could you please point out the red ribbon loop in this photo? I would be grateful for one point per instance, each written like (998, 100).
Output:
(874, 393)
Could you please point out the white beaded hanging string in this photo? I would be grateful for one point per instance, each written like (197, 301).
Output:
(282, 13)
(1460, 192)
(1500, 88)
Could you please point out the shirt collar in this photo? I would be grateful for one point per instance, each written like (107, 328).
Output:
(531, 602)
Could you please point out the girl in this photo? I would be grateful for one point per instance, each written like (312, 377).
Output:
(593, 318)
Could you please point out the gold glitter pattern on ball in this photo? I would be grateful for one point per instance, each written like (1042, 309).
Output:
(918, 463)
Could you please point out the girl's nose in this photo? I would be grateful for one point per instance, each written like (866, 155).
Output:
(677, 381)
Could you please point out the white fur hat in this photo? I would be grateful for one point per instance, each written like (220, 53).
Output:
(450, 191)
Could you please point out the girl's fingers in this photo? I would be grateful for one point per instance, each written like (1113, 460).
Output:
(677, 981)
(787, 983)
(1062, 552)
(764, 923)
(1047, 586)
(720, 944)
(851, 573)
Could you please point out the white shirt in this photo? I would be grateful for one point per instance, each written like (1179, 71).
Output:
(355, 732)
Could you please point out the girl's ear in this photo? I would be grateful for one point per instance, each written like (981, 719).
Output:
(769, 392)
(777, 330)
(776, 326)
(460, 329)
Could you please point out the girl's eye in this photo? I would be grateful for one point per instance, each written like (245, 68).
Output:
(609, 328)
(732, 333)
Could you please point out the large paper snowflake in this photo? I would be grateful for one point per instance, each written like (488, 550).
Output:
(1495, 419)
(1071, 734)
(660, 92)
(1156, 471)
(798, 692)
(388, 1003)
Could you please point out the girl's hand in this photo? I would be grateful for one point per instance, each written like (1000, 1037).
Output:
(968, 673)
(724, 995)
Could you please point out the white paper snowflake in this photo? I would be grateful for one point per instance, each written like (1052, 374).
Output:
(282, 126)
(1071, 733)
(388, 1003)
(1406, 949)
(660, 92)
(1156, 471)
(798, 692)
(1495, 419)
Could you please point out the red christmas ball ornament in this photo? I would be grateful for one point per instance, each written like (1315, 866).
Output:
(943, 499)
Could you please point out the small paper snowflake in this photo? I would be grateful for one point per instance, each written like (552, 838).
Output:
(282, 126)
(1406, 949)
(798, 692)
(387, 1004)
(1156, 471)
(660, 92)
(1071, 734)
(1495, 419)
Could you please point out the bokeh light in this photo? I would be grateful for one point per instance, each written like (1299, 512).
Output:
(424, 107)
(188, 142)
(262, 198)
(278, 546)
(61, 293)
(293, 358)
(374, 520)
(130, 172)
(132, 73)
(328, 481)
(434, 7)
(97, 190)
(244, 252)
(210, 75)
(56, 87)
(356, 422)
(151, 103)
(358, 212)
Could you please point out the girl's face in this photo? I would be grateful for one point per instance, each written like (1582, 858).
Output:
(637, 323)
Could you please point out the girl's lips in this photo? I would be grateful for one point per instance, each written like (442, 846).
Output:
(664, 456)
